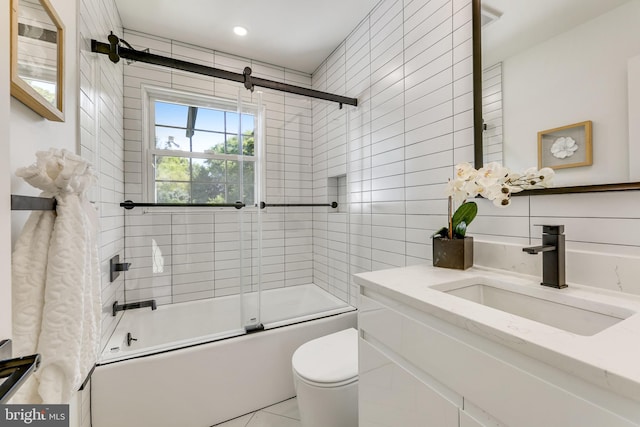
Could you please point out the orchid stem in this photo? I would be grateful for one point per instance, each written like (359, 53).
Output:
(450, 218)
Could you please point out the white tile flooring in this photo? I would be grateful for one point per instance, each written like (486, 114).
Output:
(283, 414)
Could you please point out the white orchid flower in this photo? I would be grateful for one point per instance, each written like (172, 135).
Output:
(455, 189)
(493, 170)
(465, 171)
(546, 175)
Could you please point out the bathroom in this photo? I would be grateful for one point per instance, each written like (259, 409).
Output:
(397, 163)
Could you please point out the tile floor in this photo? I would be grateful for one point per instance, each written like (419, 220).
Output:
(283, 414)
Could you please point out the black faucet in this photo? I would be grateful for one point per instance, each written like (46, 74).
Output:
(140, 304)
(552, 256)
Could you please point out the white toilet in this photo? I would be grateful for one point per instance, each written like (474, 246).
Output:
(325, 373)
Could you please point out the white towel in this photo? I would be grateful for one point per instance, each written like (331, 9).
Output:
(56, 280)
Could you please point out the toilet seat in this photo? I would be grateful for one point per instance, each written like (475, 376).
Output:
(329, 361)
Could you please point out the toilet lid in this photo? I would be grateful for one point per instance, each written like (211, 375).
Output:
(329, 359)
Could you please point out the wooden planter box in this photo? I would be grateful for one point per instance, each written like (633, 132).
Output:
(453, 253)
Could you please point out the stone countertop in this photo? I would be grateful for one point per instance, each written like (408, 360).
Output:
(609, 359)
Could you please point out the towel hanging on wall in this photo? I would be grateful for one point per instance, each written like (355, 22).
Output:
(56, 280)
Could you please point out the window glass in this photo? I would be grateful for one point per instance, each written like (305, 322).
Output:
(171, 114)
(173, 192)
(207, 142)
(208, 119)
(203, 171)
(209, 170)
(167, 138)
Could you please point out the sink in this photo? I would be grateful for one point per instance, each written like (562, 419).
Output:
(550, 307)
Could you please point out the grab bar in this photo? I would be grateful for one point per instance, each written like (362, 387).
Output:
(128, 306)
(15, 370)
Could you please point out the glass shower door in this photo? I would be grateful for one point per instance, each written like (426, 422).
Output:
(248, 190)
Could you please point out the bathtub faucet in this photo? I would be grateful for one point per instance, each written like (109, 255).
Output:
(139, 304)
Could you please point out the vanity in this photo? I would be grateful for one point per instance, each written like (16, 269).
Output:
(480, 347)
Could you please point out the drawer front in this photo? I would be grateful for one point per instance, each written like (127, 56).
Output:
(498, 386)
(390, 396)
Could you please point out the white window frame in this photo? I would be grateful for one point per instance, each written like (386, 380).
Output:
(150, 94)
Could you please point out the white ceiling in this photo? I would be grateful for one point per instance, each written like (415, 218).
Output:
(296, 34)
(525, 23)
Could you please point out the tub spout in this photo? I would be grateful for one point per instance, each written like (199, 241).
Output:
(140, 304)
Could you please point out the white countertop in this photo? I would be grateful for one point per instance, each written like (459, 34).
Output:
(609, 359)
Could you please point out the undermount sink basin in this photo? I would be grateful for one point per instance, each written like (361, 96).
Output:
(551, 307)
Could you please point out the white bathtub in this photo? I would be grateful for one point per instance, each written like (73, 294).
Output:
(201, 385)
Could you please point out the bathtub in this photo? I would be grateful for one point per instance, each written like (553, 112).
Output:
(188, 369)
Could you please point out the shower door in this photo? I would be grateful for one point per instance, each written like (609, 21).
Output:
(248, 177)
(303, 241)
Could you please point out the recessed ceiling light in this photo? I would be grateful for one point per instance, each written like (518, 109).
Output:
(241, 31)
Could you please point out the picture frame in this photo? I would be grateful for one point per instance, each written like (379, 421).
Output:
(37, 57)
(568, 146)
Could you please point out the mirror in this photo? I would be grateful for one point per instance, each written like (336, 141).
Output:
(37, 39)
(554, 64)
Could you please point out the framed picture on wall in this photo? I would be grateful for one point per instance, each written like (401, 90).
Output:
(565, 147)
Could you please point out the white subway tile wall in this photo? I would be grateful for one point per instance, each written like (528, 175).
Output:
(200, 251)
(102, 141)
(409, 65)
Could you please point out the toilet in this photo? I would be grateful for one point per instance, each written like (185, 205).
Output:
(325, 374)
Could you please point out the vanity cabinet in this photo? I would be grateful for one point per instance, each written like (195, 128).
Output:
(389, 395)
(417, 369)
(467, 420)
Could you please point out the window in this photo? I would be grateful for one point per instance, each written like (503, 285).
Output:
(201, 150)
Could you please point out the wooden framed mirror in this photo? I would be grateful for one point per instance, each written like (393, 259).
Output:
(37, 57)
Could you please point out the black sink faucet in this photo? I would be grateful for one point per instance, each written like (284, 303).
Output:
(552, 256)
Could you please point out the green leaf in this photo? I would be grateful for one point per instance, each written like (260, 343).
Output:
(442, 232)
(464, 214)
(460, 229)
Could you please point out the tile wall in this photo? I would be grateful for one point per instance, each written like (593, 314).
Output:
(601, 229)
(409, 63)
(199, 250)
(102, 139)
(102, 143)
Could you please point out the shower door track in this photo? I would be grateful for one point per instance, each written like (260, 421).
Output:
(115, 51)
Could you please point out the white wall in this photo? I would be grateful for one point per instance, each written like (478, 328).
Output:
(577, 76)
(5, 179)
(29, 132)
